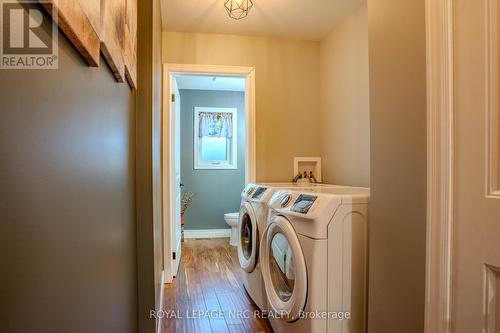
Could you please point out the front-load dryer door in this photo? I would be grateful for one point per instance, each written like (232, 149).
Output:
(283, 269)
(248, 246)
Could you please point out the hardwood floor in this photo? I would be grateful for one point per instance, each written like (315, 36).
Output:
(208, 294)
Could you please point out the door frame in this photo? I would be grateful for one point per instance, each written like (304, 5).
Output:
(170, 70)
(440, 165)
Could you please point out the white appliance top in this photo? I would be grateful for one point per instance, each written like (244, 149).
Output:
(262, 192)
(310, 212)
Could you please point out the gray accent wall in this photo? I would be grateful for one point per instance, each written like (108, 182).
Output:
(67, 200)
(218, 191)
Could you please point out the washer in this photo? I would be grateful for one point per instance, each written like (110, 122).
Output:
(314, 260)
(252, 222)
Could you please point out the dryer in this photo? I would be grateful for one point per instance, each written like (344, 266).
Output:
(252, 222)
(314, 260)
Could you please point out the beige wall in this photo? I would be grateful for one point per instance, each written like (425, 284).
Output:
(287, 91)
(397, 63)
(345, 119)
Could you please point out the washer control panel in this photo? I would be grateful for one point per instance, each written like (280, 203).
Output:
(303, 203)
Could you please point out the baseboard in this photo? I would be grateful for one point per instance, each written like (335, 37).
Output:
(208, 233)
(158, 323)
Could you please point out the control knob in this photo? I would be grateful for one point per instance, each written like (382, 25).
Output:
(285, 200)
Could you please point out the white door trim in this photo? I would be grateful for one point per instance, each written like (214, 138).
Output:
(440, 165)
(250, 171)
(492, 130)
(162, 295)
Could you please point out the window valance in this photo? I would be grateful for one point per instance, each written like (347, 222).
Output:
(216, 124)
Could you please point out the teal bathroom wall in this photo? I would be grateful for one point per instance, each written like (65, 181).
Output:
(218, 191)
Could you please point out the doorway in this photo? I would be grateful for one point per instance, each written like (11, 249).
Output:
(209, 111)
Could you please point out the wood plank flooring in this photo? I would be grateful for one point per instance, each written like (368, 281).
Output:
(208, 294)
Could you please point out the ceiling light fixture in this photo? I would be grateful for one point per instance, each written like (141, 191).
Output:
(238, 9)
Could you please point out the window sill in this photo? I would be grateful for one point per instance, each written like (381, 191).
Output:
(216, 167)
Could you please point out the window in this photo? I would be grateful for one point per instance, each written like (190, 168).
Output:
(215, 138)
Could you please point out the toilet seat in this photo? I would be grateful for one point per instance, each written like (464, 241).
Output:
(232, 216)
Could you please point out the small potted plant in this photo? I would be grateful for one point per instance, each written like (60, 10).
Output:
(186, 201)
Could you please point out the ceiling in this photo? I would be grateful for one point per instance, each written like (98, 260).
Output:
(193, 82)
(298, 19)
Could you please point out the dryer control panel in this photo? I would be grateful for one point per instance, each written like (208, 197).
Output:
(248, 190)
(259, 192)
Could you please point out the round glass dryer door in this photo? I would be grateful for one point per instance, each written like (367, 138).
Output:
(284, 269)
(248, 243)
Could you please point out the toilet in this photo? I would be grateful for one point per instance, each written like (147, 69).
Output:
(232, 220)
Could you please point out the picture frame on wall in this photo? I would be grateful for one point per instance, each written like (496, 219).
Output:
(113, 36)
(78, 23)
(131, 42)
(95, 26)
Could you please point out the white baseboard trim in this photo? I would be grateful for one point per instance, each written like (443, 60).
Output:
(208, 233)
(162, 286)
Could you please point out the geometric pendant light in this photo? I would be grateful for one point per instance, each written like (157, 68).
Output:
(238, 9)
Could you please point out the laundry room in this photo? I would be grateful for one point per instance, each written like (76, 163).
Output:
(270, 166)
(305, 125)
